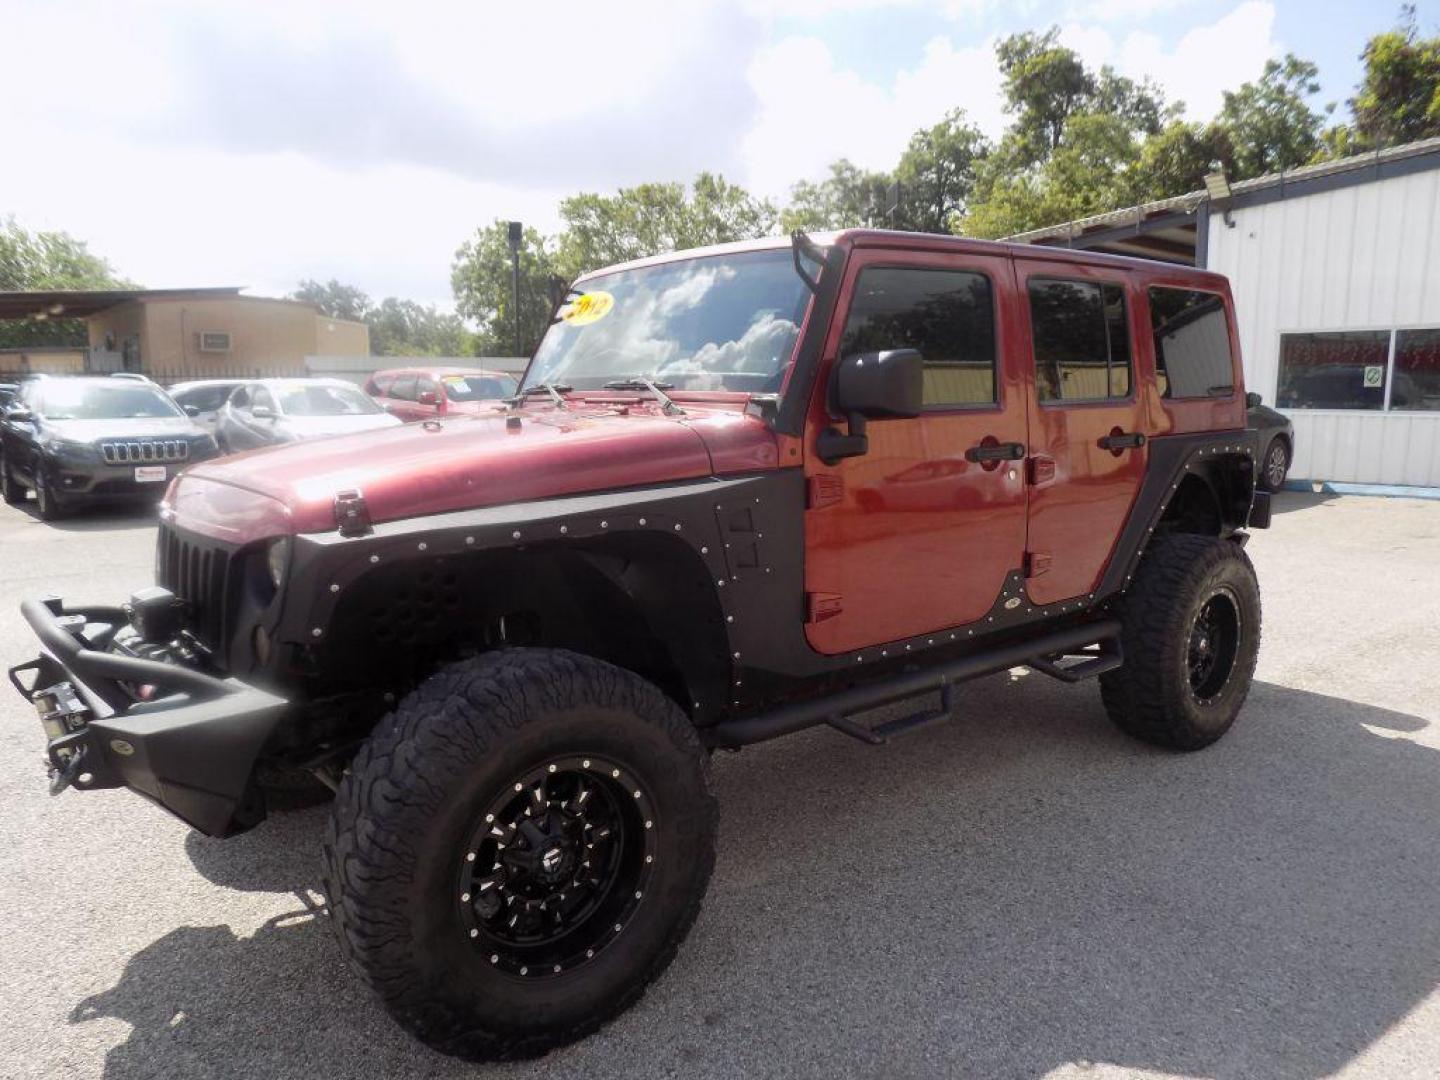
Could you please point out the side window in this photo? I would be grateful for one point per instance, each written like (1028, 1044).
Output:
(948, 315)
(1081, 340)
(423, 384)
(380, 384)
(262, 399)
(1192, 344)
(403, 388)
(240, 399)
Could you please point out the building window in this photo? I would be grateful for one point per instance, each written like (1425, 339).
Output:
(1374, 370)
(948, 315)
(1081, 340)
(214, 341)
(1417, 370)
(1192, 344)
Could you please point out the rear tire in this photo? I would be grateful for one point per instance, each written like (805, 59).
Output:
(10, 489)
(1191, 634)
(1276, 465)
(444, 786)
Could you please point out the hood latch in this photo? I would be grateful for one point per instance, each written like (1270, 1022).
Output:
(352, 516)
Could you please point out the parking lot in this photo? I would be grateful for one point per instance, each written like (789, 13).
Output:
(1016, 892)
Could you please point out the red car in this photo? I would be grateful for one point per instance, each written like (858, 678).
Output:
(423, 393)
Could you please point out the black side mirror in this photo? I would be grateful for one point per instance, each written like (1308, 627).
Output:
(191, 410)
(871, 386)
(1253, 399)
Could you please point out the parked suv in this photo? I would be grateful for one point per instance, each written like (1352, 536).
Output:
(510, 643)
(418, 394)
(86, 441)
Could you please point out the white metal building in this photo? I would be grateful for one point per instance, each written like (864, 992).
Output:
(1336, 274)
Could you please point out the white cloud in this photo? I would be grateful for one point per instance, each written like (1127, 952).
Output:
(1205, 61)
(813, 112)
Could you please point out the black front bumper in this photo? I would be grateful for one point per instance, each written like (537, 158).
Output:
(191, 746)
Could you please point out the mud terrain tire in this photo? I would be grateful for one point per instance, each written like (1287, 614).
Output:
(407, 816)
(1191, 632)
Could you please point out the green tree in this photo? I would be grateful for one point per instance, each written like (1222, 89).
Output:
(1043, 83)
(334, 299)
(1398, 99)
(1269, 123)
(652, 218)
(1175, 161)
(937, 173)
(406, 328)
(480, 279)
(48, 260)
(849, 198)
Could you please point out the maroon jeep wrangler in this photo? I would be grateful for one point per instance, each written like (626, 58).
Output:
(740, 492)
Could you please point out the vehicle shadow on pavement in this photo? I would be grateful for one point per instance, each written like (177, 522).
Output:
(1015, 889)
(107, 519)
(1288, 501)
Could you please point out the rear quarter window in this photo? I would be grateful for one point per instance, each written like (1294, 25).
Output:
(1192, 344)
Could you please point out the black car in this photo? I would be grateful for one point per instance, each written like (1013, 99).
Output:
(85, 441)
(1277, 436)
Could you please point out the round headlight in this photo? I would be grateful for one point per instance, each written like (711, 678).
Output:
(278, 558)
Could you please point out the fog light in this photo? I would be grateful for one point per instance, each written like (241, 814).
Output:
(262, 645)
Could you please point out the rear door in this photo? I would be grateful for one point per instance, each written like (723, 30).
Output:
(1086, 422)
(917, 535)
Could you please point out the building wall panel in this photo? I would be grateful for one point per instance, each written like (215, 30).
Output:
(1361, 257)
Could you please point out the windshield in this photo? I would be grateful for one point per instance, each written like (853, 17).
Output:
(477, 387)
(722, 322)
(125, 400)
(324, 401)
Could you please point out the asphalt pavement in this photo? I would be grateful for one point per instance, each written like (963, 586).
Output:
(1017, 891)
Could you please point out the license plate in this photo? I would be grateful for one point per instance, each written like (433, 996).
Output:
(149, 474)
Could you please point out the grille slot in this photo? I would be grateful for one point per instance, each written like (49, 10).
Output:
(195, 572)
(144, 451)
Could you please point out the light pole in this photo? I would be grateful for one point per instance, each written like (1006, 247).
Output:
(515, 234)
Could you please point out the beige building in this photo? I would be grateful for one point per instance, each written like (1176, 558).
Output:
(174, 334)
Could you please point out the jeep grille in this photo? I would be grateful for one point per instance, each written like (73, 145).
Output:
(195, 572)
(144, 451)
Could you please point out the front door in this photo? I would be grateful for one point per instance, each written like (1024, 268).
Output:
(918, 534)
(1086, 433)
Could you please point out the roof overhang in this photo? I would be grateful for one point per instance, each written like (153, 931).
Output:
(82, 303)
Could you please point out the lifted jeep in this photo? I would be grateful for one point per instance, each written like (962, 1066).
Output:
(741, 492)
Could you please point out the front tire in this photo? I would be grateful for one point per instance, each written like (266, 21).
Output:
(1190, 636)
(47, 503)
(519, 849)
(10, 489)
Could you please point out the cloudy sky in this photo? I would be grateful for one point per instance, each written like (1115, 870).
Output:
(255, 143)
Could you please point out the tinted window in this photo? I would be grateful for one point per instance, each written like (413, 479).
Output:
(380, 384)
(1192, 344)
(948, 315)
(424, 384)
(1337, 370)
(403, 388)
(1081, 340)
(204, 398)
(240, 399)
(322, 400)
(1417, 370)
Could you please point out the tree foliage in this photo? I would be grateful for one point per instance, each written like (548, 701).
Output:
(1269, 123)
(481, 279)
(397, 327)
(334, 299)
(1398, 99)
(849, 198)
(937, 173)
(48, 260)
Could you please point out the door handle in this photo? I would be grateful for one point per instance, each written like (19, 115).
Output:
(1005, 451)
(1124, 440)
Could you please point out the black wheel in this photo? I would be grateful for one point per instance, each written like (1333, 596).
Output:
(47, 503)
(519, 849)
(1275, 466)
(10, 489)
(1191, 633)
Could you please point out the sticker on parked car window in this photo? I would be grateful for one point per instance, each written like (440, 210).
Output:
(588, 308)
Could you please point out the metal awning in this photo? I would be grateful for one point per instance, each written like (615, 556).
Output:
(82, 303)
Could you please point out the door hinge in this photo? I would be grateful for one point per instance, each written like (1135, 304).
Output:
(824, 489)
(820, 606)
(1036, 563)
(352, 515)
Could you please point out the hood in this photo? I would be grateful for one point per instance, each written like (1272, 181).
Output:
(470, 462)
(310, 427)
(95, 430)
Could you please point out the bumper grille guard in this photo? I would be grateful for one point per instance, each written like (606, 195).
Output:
(144, 451)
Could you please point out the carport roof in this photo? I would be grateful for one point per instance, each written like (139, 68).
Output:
(82, 303)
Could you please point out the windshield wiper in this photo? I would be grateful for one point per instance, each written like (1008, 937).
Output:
(553, 389)
(639, 382)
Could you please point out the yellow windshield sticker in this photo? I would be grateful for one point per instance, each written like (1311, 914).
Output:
(587, 308)
(453, 380)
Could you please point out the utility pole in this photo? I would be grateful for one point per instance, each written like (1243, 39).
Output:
(516, 233)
